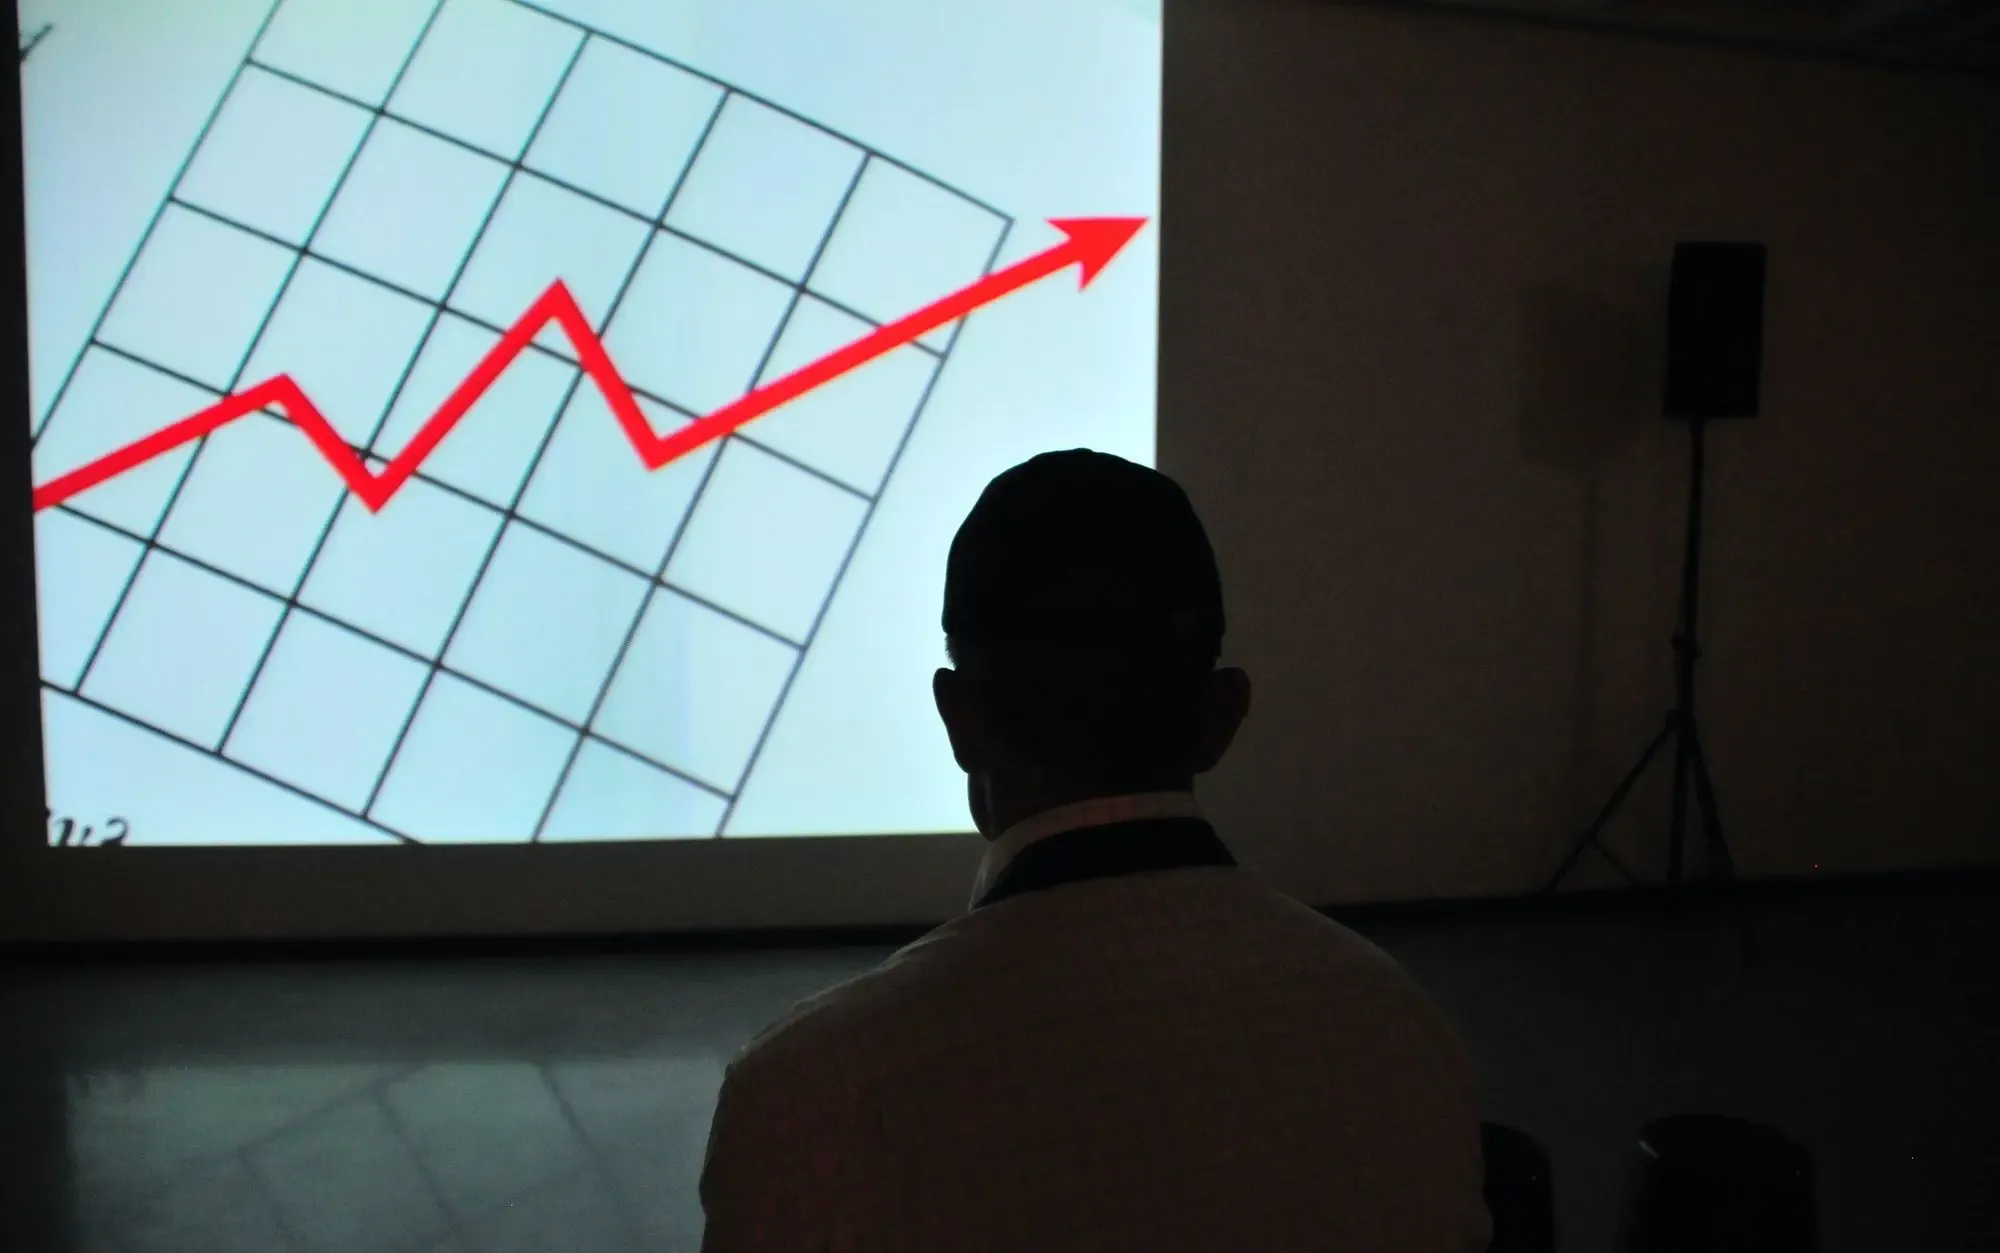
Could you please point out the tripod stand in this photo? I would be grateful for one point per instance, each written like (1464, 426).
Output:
(1690, 763)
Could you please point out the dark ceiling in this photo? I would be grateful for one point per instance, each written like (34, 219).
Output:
(1946, 34)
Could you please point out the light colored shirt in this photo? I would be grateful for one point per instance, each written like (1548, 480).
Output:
(1155, 1061)
(1101, 812)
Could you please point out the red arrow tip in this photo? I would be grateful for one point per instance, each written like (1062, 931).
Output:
(1093, 242)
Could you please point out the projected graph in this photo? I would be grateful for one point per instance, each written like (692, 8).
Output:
(616, 360)
(1093, 242)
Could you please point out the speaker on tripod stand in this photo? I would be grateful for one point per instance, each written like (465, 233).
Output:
(1715, 349)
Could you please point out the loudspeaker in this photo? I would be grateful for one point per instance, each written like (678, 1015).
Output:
(1715, 330)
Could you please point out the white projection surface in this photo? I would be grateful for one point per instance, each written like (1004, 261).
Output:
(492, 422)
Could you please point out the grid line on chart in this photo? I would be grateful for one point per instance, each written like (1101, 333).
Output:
(847, 558)
(473, 501)
(516, 164)
(409, 369)
(249, 353)
(513, 508)
(673, 546)
(172, 738)
(152, 224)
(722, 782)
(380, 642)
(674, 407)
(768, 103)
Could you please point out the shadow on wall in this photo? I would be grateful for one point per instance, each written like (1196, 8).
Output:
(1592, 366)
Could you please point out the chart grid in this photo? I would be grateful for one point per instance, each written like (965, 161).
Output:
(519, 527)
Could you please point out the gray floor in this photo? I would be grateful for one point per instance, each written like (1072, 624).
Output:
(517, 1102)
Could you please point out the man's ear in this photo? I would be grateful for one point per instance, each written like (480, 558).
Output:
(1225, 705)
(955, 709)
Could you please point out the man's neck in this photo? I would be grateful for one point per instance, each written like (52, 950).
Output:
(1102, 809)
(1017, 803)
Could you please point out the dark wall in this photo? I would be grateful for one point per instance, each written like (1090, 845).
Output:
(1414, 292)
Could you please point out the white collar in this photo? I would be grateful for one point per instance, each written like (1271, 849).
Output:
(1100, 812)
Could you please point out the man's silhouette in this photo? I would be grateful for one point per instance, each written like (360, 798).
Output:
(1127, 1042)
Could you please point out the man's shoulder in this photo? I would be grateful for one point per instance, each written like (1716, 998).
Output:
(850, 1017)
(958, 961)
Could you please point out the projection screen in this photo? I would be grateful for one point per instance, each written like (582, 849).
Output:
(490, 462)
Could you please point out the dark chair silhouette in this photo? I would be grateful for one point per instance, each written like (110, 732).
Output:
(1721, 1185)
(1520, 1193)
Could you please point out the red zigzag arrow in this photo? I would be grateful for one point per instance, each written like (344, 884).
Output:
(1091, 244)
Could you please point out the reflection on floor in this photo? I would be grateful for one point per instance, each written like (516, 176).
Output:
(498, 1103)
(475, 1155)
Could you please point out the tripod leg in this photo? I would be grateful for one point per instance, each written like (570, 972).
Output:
(1597, 824)
(1618, 864)
(1677, 823)
(1722, 866)
(1687, 650)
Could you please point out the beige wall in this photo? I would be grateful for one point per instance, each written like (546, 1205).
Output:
(1414, 289)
